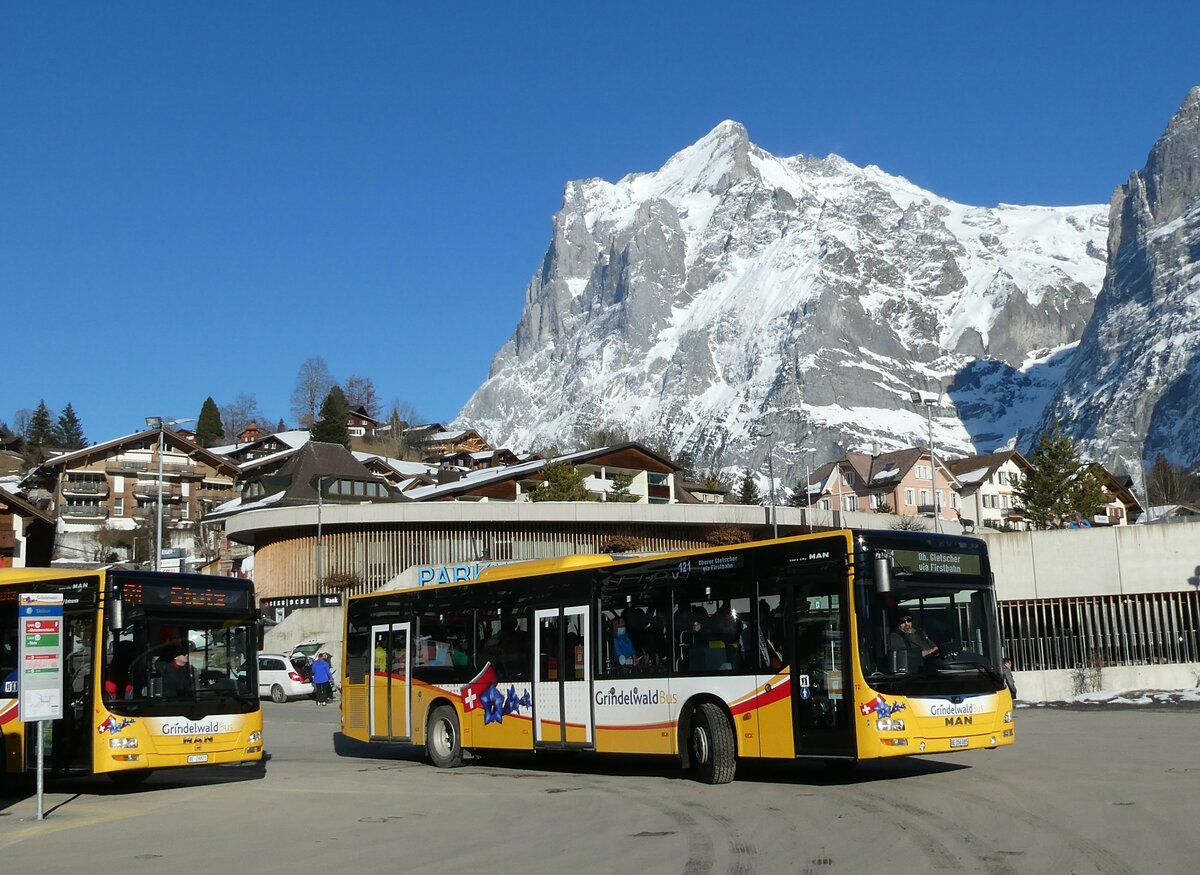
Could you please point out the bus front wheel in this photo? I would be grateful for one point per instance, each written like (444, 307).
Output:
(712, 748)
(442, 741)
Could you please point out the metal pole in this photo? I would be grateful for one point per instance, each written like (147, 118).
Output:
(41, 769)
(771, 476)
(808, 492)
(937, 512)
(320, 568)
(158, 527)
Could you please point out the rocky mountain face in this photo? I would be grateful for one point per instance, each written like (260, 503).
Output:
(1132, 390)
(732, 292)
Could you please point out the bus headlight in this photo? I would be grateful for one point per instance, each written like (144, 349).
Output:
(1008, 716)
(122, 742)
(255, 737)
(889, 725)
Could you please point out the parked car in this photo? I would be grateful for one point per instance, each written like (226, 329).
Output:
(279, 679)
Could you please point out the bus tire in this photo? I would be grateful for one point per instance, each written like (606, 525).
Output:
(442, 740)
(277, 694)
(711, 745)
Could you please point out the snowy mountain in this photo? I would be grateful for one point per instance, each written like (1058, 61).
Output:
(732, 291)
(1133, 388)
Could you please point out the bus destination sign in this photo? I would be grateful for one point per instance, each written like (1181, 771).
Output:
(934, 562)
(186, 596)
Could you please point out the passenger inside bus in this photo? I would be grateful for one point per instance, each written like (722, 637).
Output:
(624, 652)
(118, 680)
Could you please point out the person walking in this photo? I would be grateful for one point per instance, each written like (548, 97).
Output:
(322, 678)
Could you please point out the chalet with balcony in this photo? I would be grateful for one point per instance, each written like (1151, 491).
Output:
(117, 485)
(988, 487)
(26, 533)
(360, 423)
(434, 440)
(904, 480)
(651, 478)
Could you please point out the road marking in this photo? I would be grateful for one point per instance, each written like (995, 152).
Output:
(56, 824)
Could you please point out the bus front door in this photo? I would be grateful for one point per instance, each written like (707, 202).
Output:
(819, 652)
(391, 715)
(562, 680)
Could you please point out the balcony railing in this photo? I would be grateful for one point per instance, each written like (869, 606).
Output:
(149, 513)
(85, 487)
(149, 489)
(123, 466)
(85, 511)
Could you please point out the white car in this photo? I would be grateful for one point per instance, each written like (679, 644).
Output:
(279, 679)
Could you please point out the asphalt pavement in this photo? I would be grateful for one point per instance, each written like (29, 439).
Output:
(1109, 790)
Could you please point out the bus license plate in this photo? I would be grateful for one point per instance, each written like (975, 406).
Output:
(958, 742)
(203, 757)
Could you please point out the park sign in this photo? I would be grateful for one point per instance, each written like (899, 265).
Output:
(40, 656)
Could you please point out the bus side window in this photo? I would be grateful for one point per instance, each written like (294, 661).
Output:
(505, 642)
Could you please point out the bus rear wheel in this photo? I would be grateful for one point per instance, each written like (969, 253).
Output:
(442, 741)
(711, 744)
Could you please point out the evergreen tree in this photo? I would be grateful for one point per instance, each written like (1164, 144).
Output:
(333, 425)
(209, 431)
(799, 496)
(619, 491)
(1059, 483)
(687, 466)
(561, 481)
(69, 433)
(40, 431)
(282, 426)
(748, 491)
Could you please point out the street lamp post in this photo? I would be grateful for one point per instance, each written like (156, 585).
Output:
(771, 477)
(320, 569)
(920, 398)
(161, 424)
(157, 422)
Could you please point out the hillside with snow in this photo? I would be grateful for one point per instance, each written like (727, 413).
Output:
(732, 290)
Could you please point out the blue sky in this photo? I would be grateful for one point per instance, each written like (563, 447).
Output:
(196, 198)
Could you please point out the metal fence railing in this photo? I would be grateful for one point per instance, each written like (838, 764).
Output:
(1095, 631)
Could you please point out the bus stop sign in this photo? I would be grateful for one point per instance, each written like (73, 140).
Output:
(40, 656)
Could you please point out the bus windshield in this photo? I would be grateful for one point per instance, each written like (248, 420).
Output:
(947, 645)
(173, 658)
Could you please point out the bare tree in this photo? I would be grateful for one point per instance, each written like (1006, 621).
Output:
(20, 422)
(1170, 484)
(239, 413)
(313, 383)
(360, 392)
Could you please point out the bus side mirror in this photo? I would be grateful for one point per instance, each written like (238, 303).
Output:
(116, 608)
(262, 631)
(883, 572)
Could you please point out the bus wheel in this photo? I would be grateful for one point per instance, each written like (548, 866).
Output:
(712, 746)
(277, 694)
(442, 741)
(128, 780)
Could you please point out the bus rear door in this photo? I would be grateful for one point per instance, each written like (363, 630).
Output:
(562, 682)
(391, 713)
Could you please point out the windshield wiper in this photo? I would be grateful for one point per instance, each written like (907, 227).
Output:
(982, 667)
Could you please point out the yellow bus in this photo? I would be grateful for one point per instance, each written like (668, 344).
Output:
(159, 671)
(785, 649)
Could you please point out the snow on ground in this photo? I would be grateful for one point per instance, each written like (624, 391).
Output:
(1128, 697)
